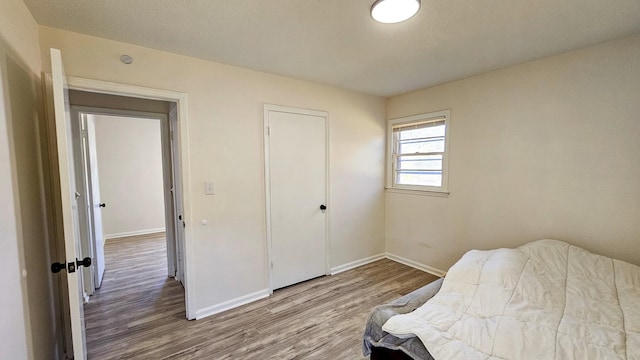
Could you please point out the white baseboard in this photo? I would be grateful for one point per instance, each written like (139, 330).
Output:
(354, 264)
(243, 300)
(416, 265)
(133, 233)
(233, 303)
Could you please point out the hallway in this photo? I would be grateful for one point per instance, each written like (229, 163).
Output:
(137, 300)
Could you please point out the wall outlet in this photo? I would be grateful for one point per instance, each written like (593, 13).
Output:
(208, 188)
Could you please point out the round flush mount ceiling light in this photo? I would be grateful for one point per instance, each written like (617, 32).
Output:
(394, 11)
(126, 59)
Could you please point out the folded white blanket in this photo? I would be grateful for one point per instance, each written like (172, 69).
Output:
(544, 300)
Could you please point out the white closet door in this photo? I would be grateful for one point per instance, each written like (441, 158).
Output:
(297, 186)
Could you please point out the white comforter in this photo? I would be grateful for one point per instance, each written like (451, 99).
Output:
(544, 300)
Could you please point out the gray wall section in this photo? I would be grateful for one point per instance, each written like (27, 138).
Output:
(83, 98)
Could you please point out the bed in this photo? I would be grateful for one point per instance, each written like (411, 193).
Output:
(382, 345)
(543, 300)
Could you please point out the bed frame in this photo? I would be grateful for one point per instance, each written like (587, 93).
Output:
(380, 353)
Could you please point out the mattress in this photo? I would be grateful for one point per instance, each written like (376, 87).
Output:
(544, 300)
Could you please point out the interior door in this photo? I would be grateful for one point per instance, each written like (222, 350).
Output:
(169, 190)
(297, 178)
(177, 193)
(68, 193)
(81, 168)
(96, 203)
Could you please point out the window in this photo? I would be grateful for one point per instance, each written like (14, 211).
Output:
(417, 158)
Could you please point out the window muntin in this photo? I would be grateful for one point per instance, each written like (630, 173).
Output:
(418, 149)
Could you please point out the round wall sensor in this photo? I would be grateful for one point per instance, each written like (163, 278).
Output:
(126, 59)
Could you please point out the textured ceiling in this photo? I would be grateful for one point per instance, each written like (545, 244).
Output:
(336, 42)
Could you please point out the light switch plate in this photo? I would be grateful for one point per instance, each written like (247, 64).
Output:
(208, 188)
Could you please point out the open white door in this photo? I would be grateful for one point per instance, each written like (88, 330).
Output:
(177, 193)
(82, 187)
(169, 198)
(96, 203)
(69, 203)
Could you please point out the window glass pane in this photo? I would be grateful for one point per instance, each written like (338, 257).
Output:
(426, 162)
(417, 151)
(422, 132)
(423, 178)
(421, 146)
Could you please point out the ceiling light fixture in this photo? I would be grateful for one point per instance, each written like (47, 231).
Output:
(394, 11)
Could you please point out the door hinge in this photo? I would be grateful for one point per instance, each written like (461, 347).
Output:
(85, 133)
(268, 130)
(271, 264)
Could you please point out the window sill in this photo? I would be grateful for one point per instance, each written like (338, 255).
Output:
(444, 194)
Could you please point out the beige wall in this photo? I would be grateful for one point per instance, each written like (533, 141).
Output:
(547, 149)
(13, 335)
(130, 174)
(20, 34)
(225, 129)
(26, 308)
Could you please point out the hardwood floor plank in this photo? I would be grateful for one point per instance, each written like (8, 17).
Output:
(139, 312)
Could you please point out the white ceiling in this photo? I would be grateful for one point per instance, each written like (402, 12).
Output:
(336, 42)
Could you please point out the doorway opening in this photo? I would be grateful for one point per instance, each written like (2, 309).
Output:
(69, 298)
(127, 183)
(129, 177)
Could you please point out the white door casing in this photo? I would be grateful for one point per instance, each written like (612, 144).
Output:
(296, 169)
(70, 224)
(182, 146)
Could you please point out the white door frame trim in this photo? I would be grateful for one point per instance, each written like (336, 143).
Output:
(267, 183)
(105, 87)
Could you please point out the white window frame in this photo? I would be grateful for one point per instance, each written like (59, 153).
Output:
(442, 190)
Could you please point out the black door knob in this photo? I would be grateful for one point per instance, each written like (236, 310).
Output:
(102, 205)
(86, 262)
(56, 267)
(323, 207)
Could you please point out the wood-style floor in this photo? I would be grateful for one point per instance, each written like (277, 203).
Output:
(138, 313)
